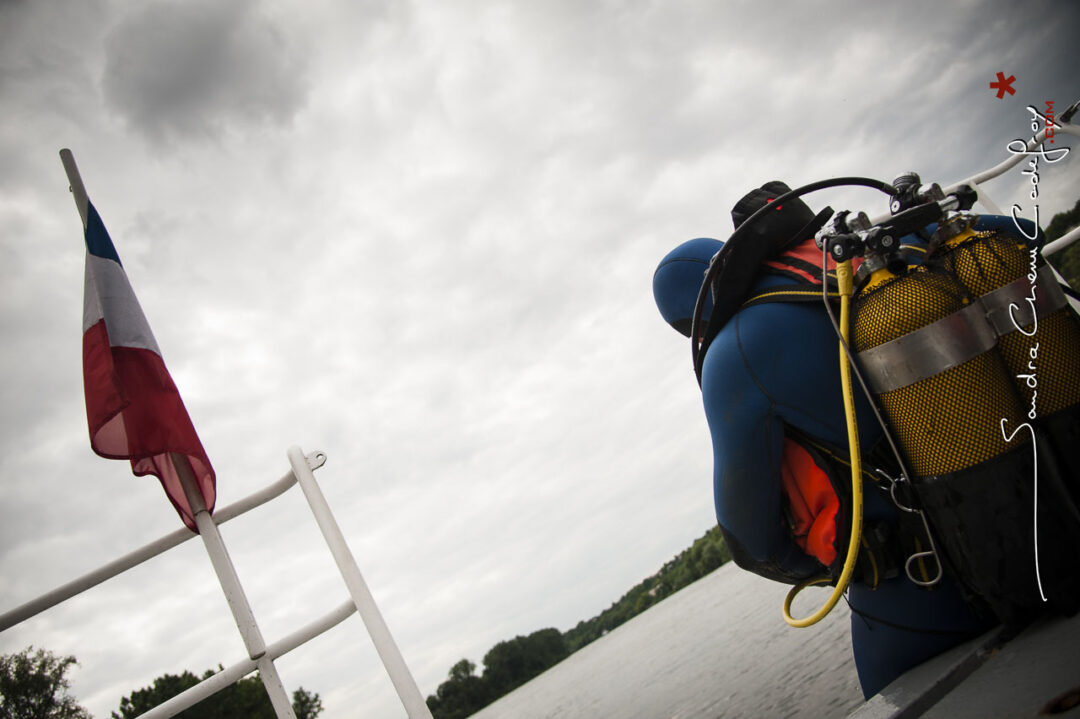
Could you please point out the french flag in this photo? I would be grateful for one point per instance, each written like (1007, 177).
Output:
(133, 408)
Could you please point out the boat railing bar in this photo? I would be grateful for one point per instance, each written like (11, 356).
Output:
(976, 180)
(1062, 242)
(230, 675)
(149, 551)
(261, 656)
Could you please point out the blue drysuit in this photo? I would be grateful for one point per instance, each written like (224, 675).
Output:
(776, 365)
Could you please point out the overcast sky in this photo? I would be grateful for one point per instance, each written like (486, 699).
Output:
(420, 237)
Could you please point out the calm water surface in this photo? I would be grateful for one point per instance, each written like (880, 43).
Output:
(718, 648)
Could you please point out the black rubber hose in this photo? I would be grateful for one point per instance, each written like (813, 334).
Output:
(697, 348)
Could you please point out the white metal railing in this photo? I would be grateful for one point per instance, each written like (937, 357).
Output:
(159, 546)
(234, 673)
(261, 656)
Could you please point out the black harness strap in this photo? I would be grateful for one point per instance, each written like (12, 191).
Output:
(789, 293)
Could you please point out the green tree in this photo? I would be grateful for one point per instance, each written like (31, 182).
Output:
(1067, 261)
(509, 664)
(644, 601)
(34, 685)
(306, 705)
(1062, 222)
(246, 698)
(462, 694)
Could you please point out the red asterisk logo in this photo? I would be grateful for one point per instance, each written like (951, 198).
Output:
(1003, 85)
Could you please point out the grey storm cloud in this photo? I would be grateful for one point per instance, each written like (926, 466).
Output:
(178, 69)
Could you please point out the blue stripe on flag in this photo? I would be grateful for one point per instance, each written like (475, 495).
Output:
(98, 241)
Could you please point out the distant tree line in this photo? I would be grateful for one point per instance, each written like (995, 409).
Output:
(244, 698)
(34, 685)
(1067, 262)
(510, 664)
(507, 665)
(704, 555)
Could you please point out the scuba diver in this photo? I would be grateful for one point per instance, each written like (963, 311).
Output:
(772, 390)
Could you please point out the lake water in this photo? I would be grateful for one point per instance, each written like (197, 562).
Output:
(718, 648)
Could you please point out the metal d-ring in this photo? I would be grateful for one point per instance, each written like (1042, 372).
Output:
(892, 490)
(932, 552)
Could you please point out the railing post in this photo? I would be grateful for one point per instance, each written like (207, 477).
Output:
(234, 592)
(388, 651)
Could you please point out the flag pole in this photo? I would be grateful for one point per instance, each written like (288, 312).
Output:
(403, 681)
(234, 592)
(181, 464)
(78, 189)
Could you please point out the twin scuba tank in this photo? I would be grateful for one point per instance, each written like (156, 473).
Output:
(974, 358)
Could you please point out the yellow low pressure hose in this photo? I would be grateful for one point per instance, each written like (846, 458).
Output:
(844, 280)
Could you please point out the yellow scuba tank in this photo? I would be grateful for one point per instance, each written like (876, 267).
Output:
(945, 370)
(1041, 350)
(941, 389)
(989, 261)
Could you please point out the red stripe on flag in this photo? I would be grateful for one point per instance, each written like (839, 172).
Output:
(104, 397)
(135, 412)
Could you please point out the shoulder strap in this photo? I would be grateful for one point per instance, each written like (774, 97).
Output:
(742, 260)
(788, 293)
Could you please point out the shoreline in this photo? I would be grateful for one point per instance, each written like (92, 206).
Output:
(720, 648)
(707, 650)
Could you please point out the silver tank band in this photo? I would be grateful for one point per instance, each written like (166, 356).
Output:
(963, 335)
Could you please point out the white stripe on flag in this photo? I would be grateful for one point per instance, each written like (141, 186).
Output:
(108, 294)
